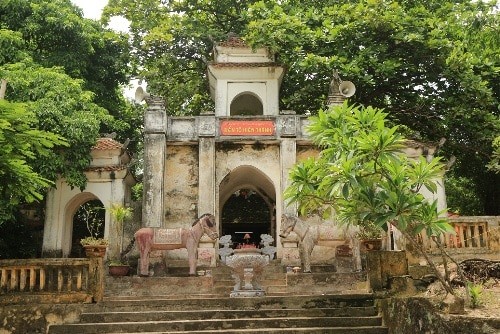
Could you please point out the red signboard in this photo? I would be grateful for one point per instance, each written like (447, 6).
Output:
(247, 128)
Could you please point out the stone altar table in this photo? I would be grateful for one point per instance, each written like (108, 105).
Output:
(247, 265)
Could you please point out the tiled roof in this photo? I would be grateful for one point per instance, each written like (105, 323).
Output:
(107, 144)
(112, 168)
(249, 65)
(234, 42)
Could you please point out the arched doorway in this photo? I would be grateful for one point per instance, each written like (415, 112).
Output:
(88, 220)
(247, 200)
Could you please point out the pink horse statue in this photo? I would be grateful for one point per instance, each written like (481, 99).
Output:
(189, 240)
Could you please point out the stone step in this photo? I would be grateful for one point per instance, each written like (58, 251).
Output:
(340, 313)
(269, 290)
(139, 304)
(315, 268)
(264, 282)
(214, 324)
(325, 282)
(107, 317)
(276, 289)
(222, 283)
(308, 330)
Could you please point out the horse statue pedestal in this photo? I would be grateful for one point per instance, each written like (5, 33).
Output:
(247, 265)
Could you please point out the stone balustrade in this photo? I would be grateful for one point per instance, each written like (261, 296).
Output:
(471, 233)
(51, 280)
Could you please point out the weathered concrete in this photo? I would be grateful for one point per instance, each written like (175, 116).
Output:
(159, 286)
(36, 318)
(182, 189)
(307, 314)
(381, 265)
(418, 315)
(326, 282)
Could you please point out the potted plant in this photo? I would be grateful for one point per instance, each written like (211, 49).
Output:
(94, 244)
(118, 265)
(370, 236)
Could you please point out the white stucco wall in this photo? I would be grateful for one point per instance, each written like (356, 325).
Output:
(63, 202)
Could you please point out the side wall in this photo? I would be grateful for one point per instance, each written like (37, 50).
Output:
(181, 185)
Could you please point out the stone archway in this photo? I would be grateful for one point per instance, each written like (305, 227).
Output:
(108, 180)
(247, 200)
(73, 205)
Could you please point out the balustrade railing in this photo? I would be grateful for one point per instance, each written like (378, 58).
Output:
(79, 278)
(471, 233)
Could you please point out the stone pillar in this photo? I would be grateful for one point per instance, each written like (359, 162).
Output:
(206, 170)
(206, 185)
(288, 156)
(154, 163)
(289, 252)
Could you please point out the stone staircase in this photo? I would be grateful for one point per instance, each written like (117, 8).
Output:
(275, 281)
(355, 314)
(321, 302)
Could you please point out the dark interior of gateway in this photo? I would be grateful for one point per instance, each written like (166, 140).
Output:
(89, 214)
(246, 213)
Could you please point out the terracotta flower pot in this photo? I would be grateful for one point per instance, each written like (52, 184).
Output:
(95, 250)
(119, 270)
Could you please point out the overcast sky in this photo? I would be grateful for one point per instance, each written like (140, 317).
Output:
(92, 10)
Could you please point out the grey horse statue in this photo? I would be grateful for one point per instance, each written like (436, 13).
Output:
(308, 237)
(189, 239)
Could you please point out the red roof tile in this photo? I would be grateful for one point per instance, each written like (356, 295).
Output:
(249, 65)
(234, 42)
(112, 168)
(107, 144)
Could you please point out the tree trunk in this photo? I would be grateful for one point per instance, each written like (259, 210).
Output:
(3, 88)
(431, 263)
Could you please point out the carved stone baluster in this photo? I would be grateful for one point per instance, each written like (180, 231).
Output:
(70, 279)
(470, 230)
(477, 242)
(22, 279)
(32, 279)
(14, 280)
(3, 279)
(79, 279)
(460, 231)
(42, 279)
(59, 279)
(485, 235)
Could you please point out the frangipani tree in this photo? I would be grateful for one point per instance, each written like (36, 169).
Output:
(363, 176)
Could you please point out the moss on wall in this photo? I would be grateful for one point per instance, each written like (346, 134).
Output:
(418, 315)
(181, 185)
(36, 318)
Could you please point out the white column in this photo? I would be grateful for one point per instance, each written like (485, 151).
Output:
(154, 163)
